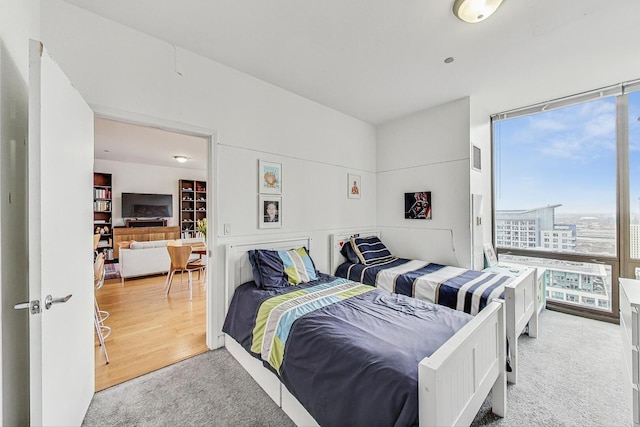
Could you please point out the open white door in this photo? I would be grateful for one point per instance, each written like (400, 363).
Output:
(60, 152)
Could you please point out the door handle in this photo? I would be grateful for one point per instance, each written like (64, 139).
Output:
(49, 301)
(33, 305)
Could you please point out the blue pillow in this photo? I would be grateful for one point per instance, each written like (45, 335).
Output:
(257, 277)
(370, 250)
(277, 269)
(348, 252)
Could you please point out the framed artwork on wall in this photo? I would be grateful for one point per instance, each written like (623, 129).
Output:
(269, 177)
(417, 205)
(490, 255)
(269, 211)
(354, 188)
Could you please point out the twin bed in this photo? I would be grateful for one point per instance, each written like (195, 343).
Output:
(333, 351)
(454, 287)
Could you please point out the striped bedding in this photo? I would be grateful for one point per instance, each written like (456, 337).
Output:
(454, 287)
(348, 352)
(277, 314)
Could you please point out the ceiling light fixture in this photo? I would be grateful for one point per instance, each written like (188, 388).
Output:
(473, 11)
(181, 159)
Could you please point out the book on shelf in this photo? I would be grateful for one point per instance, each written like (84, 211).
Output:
(102, 206)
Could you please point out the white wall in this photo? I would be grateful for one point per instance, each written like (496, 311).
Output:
(427, 151)
(19, 21)
(480, 131)
(119, 69)
(139, 178)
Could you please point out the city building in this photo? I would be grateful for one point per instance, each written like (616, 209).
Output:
(634, 242)
(534, 229)
(562, 238)
(577, 283)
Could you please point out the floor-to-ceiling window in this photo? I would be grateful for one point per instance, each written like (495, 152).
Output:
(564, 173)
(633, 131)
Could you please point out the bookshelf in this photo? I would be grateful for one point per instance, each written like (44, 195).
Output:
(102, 218)
(193, 205)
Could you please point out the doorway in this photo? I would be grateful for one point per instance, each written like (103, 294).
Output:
(149, 330)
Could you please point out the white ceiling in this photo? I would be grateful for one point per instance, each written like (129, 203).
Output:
(132, 143)
(378, 60)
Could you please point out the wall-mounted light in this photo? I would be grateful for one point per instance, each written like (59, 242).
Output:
(473, 11)
(181, 159)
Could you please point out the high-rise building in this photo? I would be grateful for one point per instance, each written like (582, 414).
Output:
(570, 282)
(634, 243)
(534, 229)
(562, 238)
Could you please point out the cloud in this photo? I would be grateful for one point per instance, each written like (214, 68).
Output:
(582, 133)
(547, 124)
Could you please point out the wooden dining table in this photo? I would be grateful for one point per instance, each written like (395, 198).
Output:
(199, 248)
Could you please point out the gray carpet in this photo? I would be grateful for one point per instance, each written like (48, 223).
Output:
(572, 375)
(210, 389)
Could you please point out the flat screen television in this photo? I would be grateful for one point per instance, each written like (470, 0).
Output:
(139, 205)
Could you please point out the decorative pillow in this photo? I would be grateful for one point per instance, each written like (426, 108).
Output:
(126, 244)
(257, 277)
(370, 250)
(277, 269)
(348, 252)
(138, 245)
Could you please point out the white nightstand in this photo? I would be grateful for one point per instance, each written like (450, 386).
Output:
(514, 270)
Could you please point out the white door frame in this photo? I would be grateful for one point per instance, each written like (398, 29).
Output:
(214, 293)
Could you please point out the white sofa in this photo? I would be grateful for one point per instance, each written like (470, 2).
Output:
(145, 258)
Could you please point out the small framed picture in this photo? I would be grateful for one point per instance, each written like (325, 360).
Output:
(353, 186)
(269, 211)
(269, 177)
(417, 205)
(490, 255)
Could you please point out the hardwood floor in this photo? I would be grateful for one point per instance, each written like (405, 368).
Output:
(149, 331)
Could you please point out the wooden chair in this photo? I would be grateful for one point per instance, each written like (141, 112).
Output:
(180, 263)
(99, 316)
(96, 240)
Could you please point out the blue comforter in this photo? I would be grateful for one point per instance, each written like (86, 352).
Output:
(353, 361)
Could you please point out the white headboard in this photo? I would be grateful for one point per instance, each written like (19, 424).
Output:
(238, 269)
(339, 239)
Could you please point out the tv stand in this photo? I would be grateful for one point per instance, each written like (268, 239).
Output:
(130, 223)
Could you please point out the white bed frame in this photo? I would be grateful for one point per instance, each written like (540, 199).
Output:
(453, 383)
(521, 296)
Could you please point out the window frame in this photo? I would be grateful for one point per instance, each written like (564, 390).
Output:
(622, 265)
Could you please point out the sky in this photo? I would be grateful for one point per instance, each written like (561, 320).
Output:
(565, 156)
